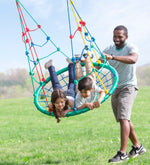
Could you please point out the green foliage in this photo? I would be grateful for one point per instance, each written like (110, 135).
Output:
(143, 75)
(30, 137)
(14, 77)
(17, 82)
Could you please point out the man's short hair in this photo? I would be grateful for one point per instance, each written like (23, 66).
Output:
(86, 83)
(121, 27)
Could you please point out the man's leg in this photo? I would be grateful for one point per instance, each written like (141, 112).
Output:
(137, 148)
(122, 115)
(132, 135)
(125, 101)
(124, 132)
(125, 97)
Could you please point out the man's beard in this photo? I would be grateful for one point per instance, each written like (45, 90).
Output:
(120, 43)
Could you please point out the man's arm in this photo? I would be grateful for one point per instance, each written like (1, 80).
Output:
(130, 59)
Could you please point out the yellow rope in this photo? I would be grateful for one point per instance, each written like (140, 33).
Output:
(76, 21)
(83, 28)
(71, 3)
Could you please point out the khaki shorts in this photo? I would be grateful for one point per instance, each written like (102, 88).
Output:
(122, 101)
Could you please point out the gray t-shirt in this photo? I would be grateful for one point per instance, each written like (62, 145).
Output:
(127, 72)
(80, 100)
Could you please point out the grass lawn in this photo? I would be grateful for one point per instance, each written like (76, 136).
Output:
(30, 137)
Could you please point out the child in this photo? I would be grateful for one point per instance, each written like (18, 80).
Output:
(62, 102)
(87, 93)
(86, 86)
(66, 98)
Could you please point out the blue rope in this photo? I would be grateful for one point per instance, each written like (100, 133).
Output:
(73, 59)
(70, 27)
(48, 38)
(92, 38)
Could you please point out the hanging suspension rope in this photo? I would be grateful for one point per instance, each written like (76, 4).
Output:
(107, 77)
(83, 24)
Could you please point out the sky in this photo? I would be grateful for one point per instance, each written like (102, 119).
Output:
(101, 18)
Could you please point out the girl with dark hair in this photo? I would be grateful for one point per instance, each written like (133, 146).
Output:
(62, 102)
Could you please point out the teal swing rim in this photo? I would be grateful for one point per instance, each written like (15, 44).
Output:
(76, 112)
(43, 82)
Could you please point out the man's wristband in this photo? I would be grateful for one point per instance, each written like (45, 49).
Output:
(112, 57)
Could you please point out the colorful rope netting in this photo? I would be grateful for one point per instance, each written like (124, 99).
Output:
(37, 54)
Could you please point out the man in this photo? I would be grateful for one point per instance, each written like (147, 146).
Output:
(123, 56)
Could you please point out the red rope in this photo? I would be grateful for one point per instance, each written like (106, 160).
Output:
(27, 35)
(82, 23)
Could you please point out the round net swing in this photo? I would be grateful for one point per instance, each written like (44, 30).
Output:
(38, 52)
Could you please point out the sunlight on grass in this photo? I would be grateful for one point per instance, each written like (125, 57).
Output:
(30, 137)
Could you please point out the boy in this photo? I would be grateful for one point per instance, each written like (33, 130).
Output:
(87, 93)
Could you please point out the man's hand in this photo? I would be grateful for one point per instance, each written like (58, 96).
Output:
(108, 56)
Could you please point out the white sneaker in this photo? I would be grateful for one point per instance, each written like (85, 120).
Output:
(85, 54)
(137, 151)
(77, 55)
(48, 64)
(119, 157)
(68, 60)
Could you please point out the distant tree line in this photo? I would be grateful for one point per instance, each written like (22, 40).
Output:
(17, 82)
(143, 75)
(14, 77)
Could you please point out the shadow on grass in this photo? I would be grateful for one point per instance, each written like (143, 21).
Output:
(52, 162)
